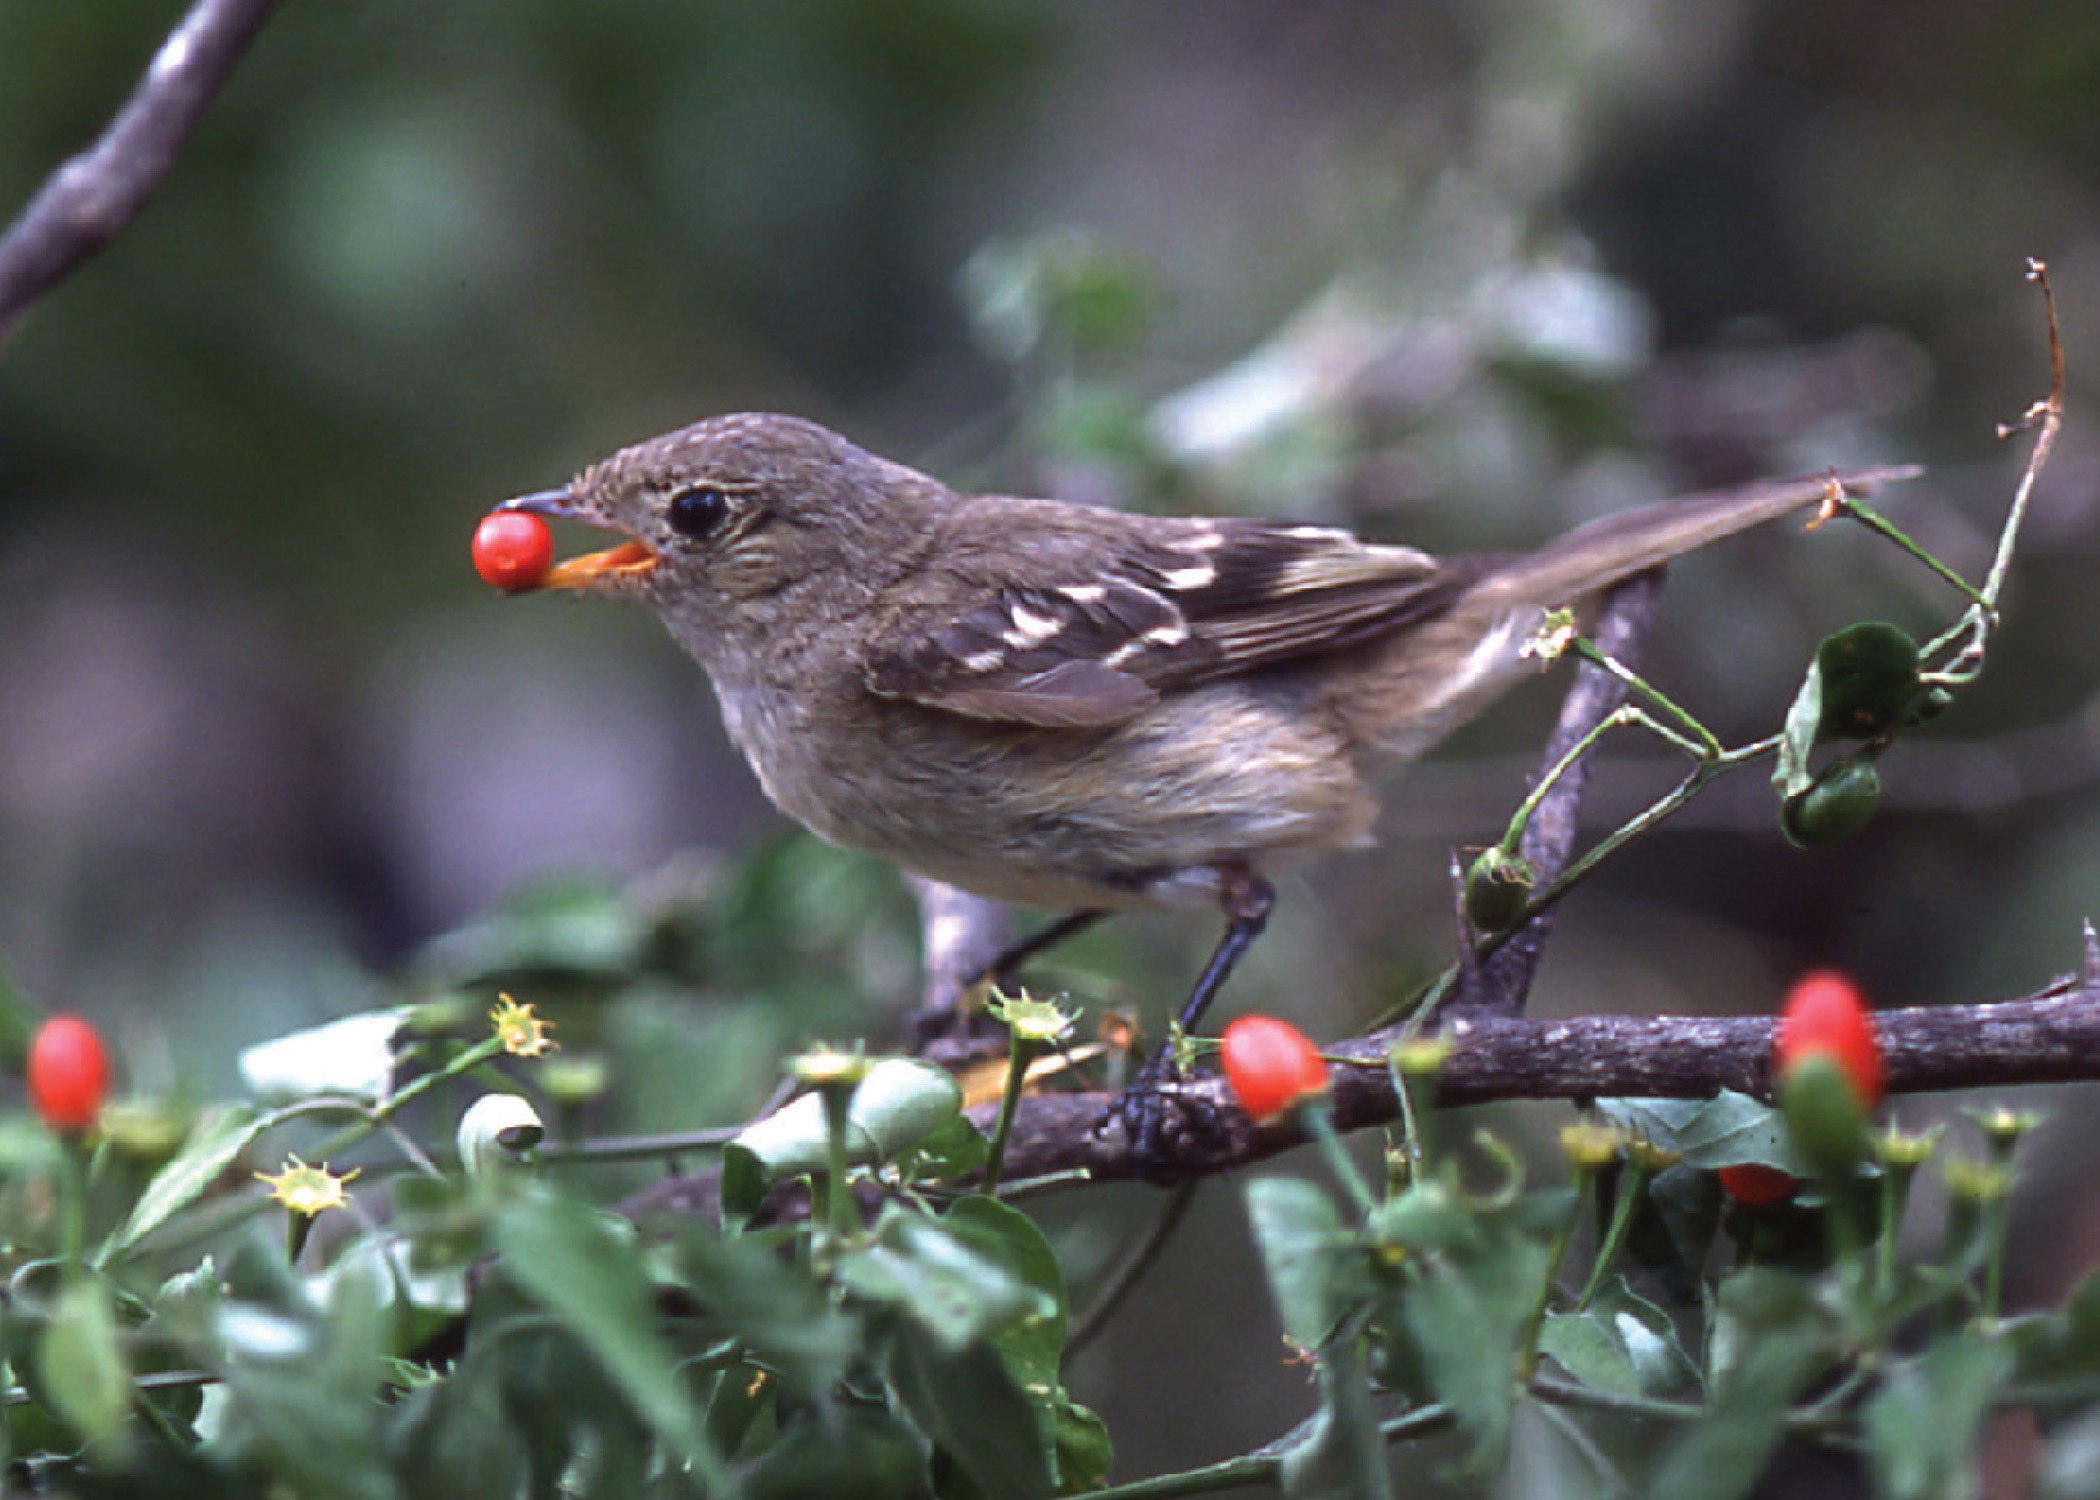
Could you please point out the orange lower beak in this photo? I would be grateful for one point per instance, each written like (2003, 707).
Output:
(628, 560)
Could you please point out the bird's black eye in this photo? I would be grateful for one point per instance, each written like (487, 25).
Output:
(698, 512)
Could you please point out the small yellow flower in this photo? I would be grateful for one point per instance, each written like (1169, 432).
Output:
(305, 1190)
(826, 1067)
(1037, 1021)
(1589, 1147)
(523, 1033)
(1903, 1151)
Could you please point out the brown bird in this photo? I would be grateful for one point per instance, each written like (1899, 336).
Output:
(1068, 707)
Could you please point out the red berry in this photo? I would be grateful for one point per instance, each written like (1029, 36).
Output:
(1270, 1065)
(68, 1073)
(512, 549)
(1826, 1017)
(1758, 1186)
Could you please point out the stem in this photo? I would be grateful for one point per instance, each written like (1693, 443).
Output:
(1881, 526)
(1018, 1057)
(1131, 1268)
(1317, 1121)
(1527, 1346)
(1264, 1464)
(1640, 687)
(838, 1201)
(72, 1198)
(1636, 1179)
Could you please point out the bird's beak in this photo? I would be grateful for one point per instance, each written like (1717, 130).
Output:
(630, 560)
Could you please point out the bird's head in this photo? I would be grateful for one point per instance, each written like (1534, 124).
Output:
(723, 515)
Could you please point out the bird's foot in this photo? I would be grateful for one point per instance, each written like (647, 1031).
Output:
(1142, 1110)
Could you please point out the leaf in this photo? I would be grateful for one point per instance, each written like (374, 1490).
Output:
(967, 1402)
(1465, 1320)
(755, 1296)
(1924, 1423)
(217, 1139)
(354, 1055)
(1342, 1456)
(2070, 1465)
(1034, 1346)
(944, 1286)
(901, 1103)
(1790, 773)
(300, 1383)
(84, 1375)
(869, 1455)
(1621, 1343)
(1727, 1130)
(1298, 1231)
(568, 1257)
(1772, 1341)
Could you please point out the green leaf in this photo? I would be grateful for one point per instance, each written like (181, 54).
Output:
(901, 1103)
(570, 1258)
(1870, 679)
(1034, 1346)
(1838, 803)
(85, 1378)
(2061, 1348)
(218, 1138)
(1772, 1341)
(1727, 1130)
(1342, 1456)
(453, 1437)
(1298, 1232)
(1621, 1343)
(1924, 1423)
(869, 1455)
(943, 1285)
(1466, 1318)
(964, 1398)
(752, 1294)
(1790, 773)
(300, 1383)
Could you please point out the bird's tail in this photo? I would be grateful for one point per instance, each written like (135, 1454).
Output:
(1616, 547)
(1445, 670)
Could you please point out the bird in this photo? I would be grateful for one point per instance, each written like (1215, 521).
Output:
(1069, 707)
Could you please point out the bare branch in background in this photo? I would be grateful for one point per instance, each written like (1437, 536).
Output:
(1503, 983)
(90, 200)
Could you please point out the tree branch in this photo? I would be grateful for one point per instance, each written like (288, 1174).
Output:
(90, 199)
(2052, 1036)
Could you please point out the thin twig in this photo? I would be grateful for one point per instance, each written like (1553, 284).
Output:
(93, 196)
(1549, 838)
(1130, 1268)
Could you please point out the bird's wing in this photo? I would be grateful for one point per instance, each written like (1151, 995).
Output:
(1100, 631)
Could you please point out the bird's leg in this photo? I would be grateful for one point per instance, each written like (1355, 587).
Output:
(947, 1022)
(1001, 970)
(1246, 899)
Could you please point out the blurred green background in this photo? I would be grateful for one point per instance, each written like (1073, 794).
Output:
(1458, 273)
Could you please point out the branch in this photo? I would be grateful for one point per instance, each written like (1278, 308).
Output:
(90, 200)
(2049, 1037)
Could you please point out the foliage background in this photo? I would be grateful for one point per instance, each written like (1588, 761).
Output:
(263, 738)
